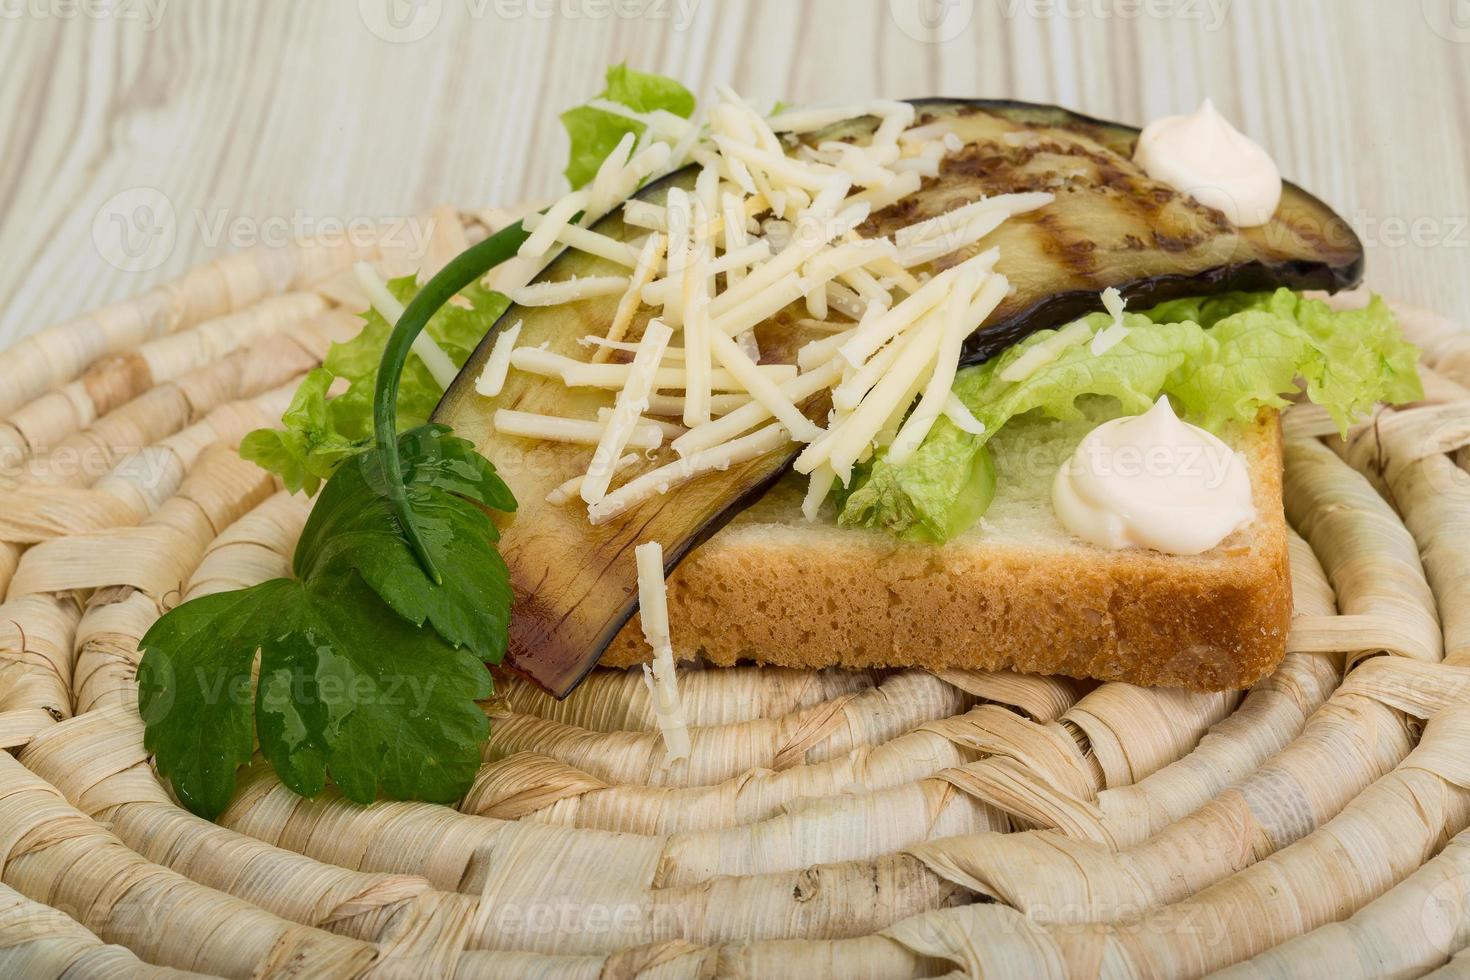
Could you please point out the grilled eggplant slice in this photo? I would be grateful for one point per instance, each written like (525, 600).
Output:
(575, 585)
(1110, 225)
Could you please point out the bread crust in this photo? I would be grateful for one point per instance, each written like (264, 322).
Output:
(861, 599)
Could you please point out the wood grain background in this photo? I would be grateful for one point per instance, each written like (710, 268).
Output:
(143, 136)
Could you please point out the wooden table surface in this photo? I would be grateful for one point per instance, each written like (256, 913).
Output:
(143, 136)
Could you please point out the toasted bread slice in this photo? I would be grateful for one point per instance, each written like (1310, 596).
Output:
(1016, 591)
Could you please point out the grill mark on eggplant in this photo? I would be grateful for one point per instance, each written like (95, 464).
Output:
(569, 608)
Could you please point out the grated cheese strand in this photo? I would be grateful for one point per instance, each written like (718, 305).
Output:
(761, 388)
(657, 292)
(1042, 353)
(957, 326)
(697, 354)
(569, 290)
(735, 235)
(661, 480)
(497, 365)
(440, 366)
(755, 412)
(556, 428)
(851, 439)
(946, 244)
(570, 489)
(672, 406)
(960, 415)
(653, 606)
(809, 119)
(817, 490)
(680, 215)
(627, 410)
(818, 352)
(648, 260)
(591, 242)
(556, 217)
(812, 237)
(581, 374)
(1110, 336)
(881, 330)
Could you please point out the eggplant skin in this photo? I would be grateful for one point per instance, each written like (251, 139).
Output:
(575, 585)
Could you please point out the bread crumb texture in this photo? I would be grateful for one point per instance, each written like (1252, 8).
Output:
(1016, 591)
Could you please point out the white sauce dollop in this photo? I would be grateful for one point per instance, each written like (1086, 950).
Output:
(1202, 155)
(1153, 481)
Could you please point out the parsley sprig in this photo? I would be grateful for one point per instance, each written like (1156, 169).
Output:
(366, 665)
(364, 668)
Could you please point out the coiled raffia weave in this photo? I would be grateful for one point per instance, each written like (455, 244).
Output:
(872, 824)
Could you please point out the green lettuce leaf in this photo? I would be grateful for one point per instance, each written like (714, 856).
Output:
(321, 430)
(1221, 359)
(595, 133)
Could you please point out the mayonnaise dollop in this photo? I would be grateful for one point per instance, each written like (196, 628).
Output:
(1202, 155)
(1153, 481)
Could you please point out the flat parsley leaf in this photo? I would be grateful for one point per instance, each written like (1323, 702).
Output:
(332, 671)
(352, 526)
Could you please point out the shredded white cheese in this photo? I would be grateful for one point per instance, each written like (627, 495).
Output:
(627, 411)
(497, 365)
(569, 290)
(653, 607)
(960, 415)
(851, 439)
(873, 335)
(756, 411)
(565, 492)
(581, 374)
(697, 352)
(648, 260)
(957, 327)
(659, 481)
(555, 428)
(386, 304)
(1113, 333)
(1043, 352)
(556, 217)
(817, 489)
(889, 369)
(761, 388)
(591, 242)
